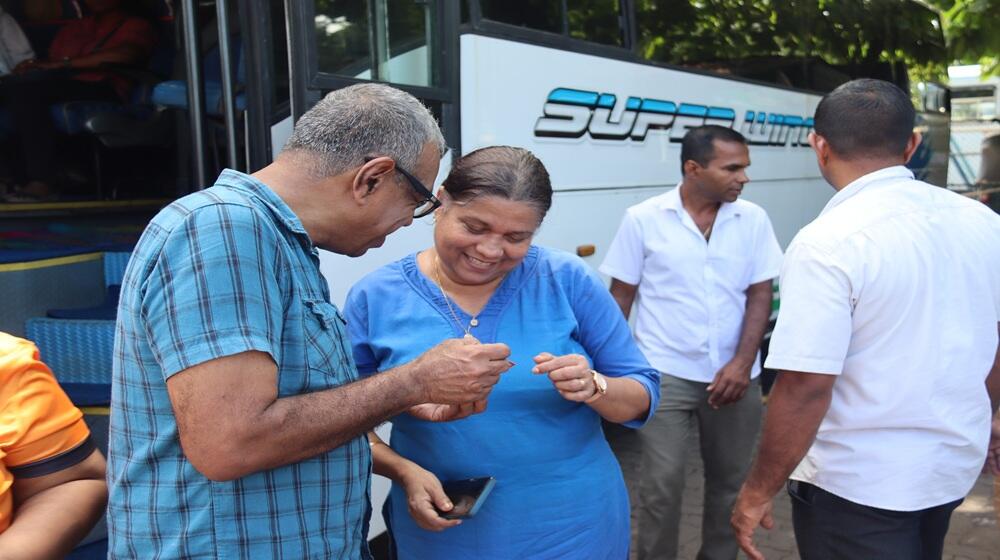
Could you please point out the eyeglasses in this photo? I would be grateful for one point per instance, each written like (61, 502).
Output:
(428, 202)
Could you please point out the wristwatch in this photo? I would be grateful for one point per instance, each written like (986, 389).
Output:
(600, 387)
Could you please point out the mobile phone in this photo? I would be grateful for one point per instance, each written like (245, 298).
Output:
(467, 496)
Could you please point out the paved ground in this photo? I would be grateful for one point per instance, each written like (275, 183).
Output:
(974, 532)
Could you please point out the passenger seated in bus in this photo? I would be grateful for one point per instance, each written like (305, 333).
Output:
(14, 45)
(109, 35)
(52, 489)
(559, 490)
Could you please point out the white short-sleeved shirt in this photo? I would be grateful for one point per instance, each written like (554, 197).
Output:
(14, 46)
(692, 293)
(895, 287)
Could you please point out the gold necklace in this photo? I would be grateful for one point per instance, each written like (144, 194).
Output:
(708, 231)
(472, 322)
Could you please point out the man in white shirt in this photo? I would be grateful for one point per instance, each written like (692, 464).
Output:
(698, 263)
(887, 346)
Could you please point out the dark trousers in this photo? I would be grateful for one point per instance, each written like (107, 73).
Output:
(28, 99)
(828, 527)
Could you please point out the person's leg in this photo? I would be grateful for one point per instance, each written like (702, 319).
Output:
(828, 527)
(933, 528)
(664, 440)
(728, 436)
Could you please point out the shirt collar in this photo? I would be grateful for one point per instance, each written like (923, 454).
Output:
(859, 184)
(263, 193)
(671, 200)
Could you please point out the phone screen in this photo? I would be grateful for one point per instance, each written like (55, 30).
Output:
(467, 496)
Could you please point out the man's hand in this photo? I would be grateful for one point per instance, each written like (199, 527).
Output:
(461, 370)
(432, 412)
(993, 453)
(751, 510)
(730, 383)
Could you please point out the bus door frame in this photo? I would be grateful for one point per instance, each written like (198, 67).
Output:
(260, 113)
(307, 82)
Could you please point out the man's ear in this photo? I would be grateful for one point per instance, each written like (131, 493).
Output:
(821, 147)
(691, 168)
(911, 146)
(369, 175)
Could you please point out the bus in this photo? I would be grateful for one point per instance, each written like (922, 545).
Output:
(975, 134)
(595, 88)
(601, 90)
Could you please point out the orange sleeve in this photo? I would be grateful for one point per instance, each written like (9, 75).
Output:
(37, 420)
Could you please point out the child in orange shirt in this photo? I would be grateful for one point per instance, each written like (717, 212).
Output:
(52, 488)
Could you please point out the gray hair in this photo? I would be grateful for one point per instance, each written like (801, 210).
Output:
(365, 120)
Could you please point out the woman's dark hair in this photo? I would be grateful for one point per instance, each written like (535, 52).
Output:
(504, 171)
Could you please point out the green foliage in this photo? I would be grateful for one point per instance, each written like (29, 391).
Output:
(838, 31)
(973, 31)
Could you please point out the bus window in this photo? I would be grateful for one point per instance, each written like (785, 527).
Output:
(792, 44)
(543, 15)
(384, 40)
(595, 20)
(933, 98)
(658, 24)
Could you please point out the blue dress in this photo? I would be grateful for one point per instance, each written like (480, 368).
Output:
(559, 490)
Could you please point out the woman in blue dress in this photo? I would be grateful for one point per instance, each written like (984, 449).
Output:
(559, 490)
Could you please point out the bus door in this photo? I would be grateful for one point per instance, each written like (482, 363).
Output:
(236, 55)
(410, 44)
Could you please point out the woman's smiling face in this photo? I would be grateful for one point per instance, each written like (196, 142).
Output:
(479, 241)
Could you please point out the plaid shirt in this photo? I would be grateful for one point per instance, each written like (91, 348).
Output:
(219, 272)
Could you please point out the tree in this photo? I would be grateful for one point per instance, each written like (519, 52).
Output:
(854, 35)
(971, 27)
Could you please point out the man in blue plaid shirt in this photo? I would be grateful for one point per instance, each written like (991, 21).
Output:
(238, 420)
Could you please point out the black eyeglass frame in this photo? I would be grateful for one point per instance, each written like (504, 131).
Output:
(427, 197)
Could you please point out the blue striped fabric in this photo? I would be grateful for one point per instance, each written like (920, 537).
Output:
(77, 351)
(219, 272)
(114, 266)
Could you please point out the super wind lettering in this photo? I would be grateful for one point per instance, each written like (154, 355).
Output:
(570, 113)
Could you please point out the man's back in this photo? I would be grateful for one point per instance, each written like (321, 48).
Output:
(915, 272)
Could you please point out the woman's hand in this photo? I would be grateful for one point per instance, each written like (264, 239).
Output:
(433, 412)
(571, 375)
(423, 492)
